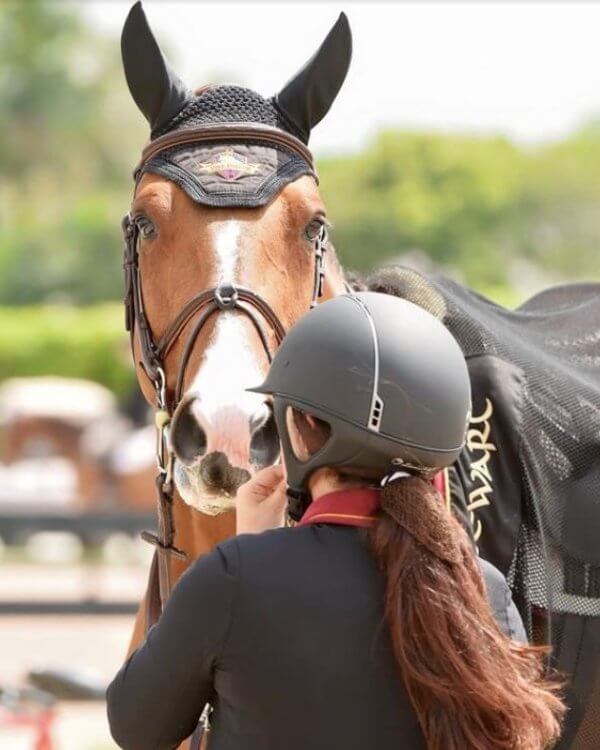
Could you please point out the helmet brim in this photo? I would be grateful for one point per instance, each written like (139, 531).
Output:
(262, 388)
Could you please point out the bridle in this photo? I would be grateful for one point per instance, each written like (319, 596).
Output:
(225, 297)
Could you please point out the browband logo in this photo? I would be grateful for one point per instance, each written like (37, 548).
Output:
(229, 165)
(478, 442)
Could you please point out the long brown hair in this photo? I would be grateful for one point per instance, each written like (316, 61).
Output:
(470, 685)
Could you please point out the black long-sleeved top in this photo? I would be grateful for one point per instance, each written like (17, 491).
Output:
(283, 633)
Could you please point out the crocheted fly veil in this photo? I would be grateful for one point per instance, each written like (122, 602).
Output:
(235, 167)
(530, 471)
(229, 172)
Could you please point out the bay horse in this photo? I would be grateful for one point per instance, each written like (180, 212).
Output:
(226, 248)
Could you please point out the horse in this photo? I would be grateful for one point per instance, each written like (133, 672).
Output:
(226, 247)
(250, 229)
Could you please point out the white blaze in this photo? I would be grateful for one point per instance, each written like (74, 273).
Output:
(229, 365)
(227, 236)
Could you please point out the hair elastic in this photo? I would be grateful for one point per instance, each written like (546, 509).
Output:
(395, 477)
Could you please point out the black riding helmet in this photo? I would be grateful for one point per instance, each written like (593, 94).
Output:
(387, 378)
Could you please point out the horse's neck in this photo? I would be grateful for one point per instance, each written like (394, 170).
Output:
(196, 533)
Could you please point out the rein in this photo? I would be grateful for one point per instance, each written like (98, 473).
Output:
(225, 297)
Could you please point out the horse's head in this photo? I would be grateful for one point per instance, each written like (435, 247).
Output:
(226, 199)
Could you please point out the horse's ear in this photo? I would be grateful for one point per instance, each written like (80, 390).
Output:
(156, 89)
(306, 99)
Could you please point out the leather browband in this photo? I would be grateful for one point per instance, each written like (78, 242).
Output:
(228, 131)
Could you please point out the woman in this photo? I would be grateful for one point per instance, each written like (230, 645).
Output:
(330, 636)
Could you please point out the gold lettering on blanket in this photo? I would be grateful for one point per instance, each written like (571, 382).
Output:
(480, 448)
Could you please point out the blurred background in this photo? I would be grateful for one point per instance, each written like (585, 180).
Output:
(466, 138)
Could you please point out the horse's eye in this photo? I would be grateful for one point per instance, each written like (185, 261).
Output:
(312, 229)
(145, 227)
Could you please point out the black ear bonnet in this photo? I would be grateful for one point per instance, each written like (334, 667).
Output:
(229, 173)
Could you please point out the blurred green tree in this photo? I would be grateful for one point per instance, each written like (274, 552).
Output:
(63, 163)
(562, 192)
(494, 212)
(482, 207)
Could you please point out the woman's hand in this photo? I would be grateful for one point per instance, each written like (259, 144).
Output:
(261, 501)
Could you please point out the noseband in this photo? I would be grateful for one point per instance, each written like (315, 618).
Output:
(226, 297)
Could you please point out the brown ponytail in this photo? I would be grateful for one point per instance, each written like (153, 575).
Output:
(471, 686)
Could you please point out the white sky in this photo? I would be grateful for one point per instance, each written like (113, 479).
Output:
(527, 70)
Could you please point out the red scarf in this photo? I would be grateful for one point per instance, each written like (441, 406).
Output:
(354, 507)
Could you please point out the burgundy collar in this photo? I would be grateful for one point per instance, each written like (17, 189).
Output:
(353, 507)
(358, 507)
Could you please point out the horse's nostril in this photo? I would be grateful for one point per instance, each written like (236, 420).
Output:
(213, 472)
(187, 435)
(218, 474)
(264, 444)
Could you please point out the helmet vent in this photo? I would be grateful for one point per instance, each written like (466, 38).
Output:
(376, 414)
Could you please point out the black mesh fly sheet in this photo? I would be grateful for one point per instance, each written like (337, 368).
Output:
(530, 472)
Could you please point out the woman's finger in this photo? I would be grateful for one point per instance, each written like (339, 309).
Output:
(260, 503)
(279, 494)
(262, 484)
